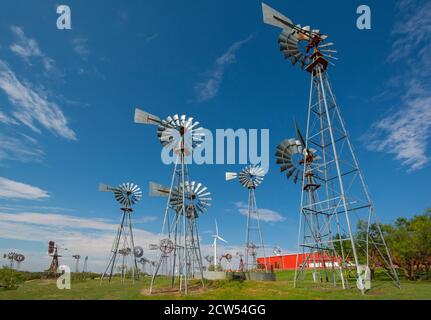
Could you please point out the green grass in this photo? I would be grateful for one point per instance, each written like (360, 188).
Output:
(235, 290)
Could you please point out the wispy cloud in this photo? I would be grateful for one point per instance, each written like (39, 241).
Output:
(7, 119)
(145, 219)
(16, 190)
(80, 47)
(406, 130)
(20, 148)
(32, 106)
(209, 86)
(265, 215)
(28, 48)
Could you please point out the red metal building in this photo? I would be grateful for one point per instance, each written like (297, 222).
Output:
(288, 261)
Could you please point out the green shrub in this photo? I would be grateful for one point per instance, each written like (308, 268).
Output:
(10, 279)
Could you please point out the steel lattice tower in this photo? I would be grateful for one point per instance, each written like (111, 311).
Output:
(250, 178)
(186, 200)
(123, 247)
(338, 231)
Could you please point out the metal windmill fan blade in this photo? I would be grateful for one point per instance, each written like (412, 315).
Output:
(329, 44)
(275, 18)
(145, 117)
(300, 136)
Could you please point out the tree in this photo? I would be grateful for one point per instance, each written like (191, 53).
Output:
(410, 243)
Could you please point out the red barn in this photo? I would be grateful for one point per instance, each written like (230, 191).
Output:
(288, 261)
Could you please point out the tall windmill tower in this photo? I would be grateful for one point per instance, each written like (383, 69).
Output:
(338, 229)
(127, 194)
(185, 199)
(251, 177)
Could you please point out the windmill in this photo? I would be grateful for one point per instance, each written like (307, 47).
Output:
(195, 198)
(19, 258)
(53, 249)
(180, 135)
(241, 261)
(209, 259)
(333, 192)
(228, 257)
(144, 261)
(216, 237)
(77, 257)
(14, 257)
(127, 194)
(251, 177)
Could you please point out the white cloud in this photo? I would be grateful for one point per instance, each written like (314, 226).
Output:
(406, 131)
(6, 119)
(27, 48)
(85, 236)
(16, 190)
(145, 219)
(152, 37)
(265, 215)
(21, 148)
(80, 47)
(208, 88)
(32, 105)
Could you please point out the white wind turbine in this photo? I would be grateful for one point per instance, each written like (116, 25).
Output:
(216, 237)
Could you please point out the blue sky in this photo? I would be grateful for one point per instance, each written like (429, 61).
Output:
(67, 100)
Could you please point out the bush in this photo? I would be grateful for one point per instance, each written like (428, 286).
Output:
(212, 268)
(10, 279)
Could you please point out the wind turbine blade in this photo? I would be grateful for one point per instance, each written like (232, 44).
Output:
(221, 239)
(216, 228)
(145, 117)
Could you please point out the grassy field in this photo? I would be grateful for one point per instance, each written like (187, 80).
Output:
(229, 290)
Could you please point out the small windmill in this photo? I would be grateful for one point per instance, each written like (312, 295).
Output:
(14, 257)
(216, 237)
(19, 258)
(127, 194)
(228, 257)
(250, 178)
(144, 261)
(209, 259)
(77, 257)
(241, 261)
(53, 249)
